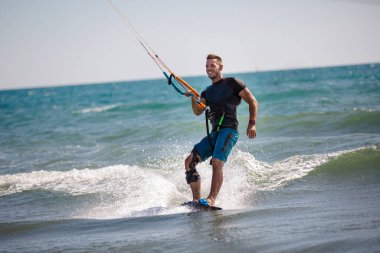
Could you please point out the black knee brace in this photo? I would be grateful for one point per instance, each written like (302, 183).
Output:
(190, 175)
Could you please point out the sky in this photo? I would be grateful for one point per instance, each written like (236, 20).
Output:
(65, 42)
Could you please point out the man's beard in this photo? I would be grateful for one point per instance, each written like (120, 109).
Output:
(213, 76)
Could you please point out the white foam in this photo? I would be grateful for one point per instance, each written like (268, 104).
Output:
(132, 190)
(244, 175)
(99, 108)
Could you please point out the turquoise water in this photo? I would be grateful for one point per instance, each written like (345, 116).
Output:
(100, 167)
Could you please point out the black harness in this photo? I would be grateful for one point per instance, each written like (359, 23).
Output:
(207, 116)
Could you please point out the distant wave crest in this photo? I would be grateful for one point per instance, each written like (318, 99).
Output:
(99, 108)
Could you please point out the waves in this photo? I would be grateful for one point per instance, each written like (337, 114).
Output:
(123, 185)
(106, 161)
(355, 121)
(41, 129)
(123, 191)
(323, 123)
(363, 162)
(100, 108)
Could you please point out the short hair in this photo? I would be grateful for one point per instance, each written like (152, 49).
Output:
(214, 56)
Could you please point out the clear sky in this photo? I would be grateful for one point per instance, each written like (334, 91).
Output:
(58, 42)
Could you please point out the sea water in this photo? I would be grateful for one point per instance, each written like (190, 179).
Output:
(100, 168)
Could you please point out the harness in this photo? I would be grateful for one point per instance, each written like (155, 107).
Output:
(207, 116)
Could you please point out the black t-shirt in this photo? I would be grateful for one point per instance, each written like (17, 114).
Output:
(223, 97)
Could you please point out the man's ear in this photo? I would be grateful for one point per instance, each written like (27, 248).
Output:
(220, 67)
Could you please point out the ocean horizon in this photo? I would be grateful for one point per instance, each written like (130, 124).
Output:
(160, 78)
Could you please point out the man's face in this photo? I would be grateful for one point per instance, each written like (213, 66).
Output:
(213, 69)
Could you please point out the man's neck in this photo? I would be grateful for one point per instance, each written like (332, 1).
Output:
(217, 79)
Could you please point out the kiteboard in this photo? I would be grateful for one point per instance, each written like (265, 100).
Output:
(198, 207)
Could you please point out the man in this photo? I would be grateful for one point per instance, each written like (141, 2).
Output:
(222, 97)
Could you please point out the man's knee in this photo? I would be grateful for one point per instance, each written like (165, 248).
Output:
(195, 159)
(191, 162)
(188, 160)
(217, 164)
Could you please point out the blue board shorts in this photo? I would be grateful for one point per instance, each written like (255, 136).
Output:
(227, 138)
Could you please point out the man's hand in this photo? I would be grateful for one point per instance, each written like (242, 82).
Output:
(197, 108)
(251, 131)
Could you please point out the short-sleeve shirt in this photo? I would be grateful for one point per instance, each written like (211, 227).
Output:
(223, 97)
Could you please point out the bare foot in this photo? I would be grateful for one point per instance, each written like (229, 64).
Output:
(196, 200)
(211, 201)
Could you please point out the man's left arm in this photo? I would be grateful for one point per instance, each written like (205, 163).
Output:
(253, 109)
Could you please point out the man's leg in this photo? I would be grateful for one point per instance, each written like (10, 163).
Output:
(192, 176)
(217, 180)
(227, 138)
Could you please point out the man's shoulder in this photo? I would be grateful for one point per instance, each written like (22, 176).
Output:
(232, 79)
(236, 83)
